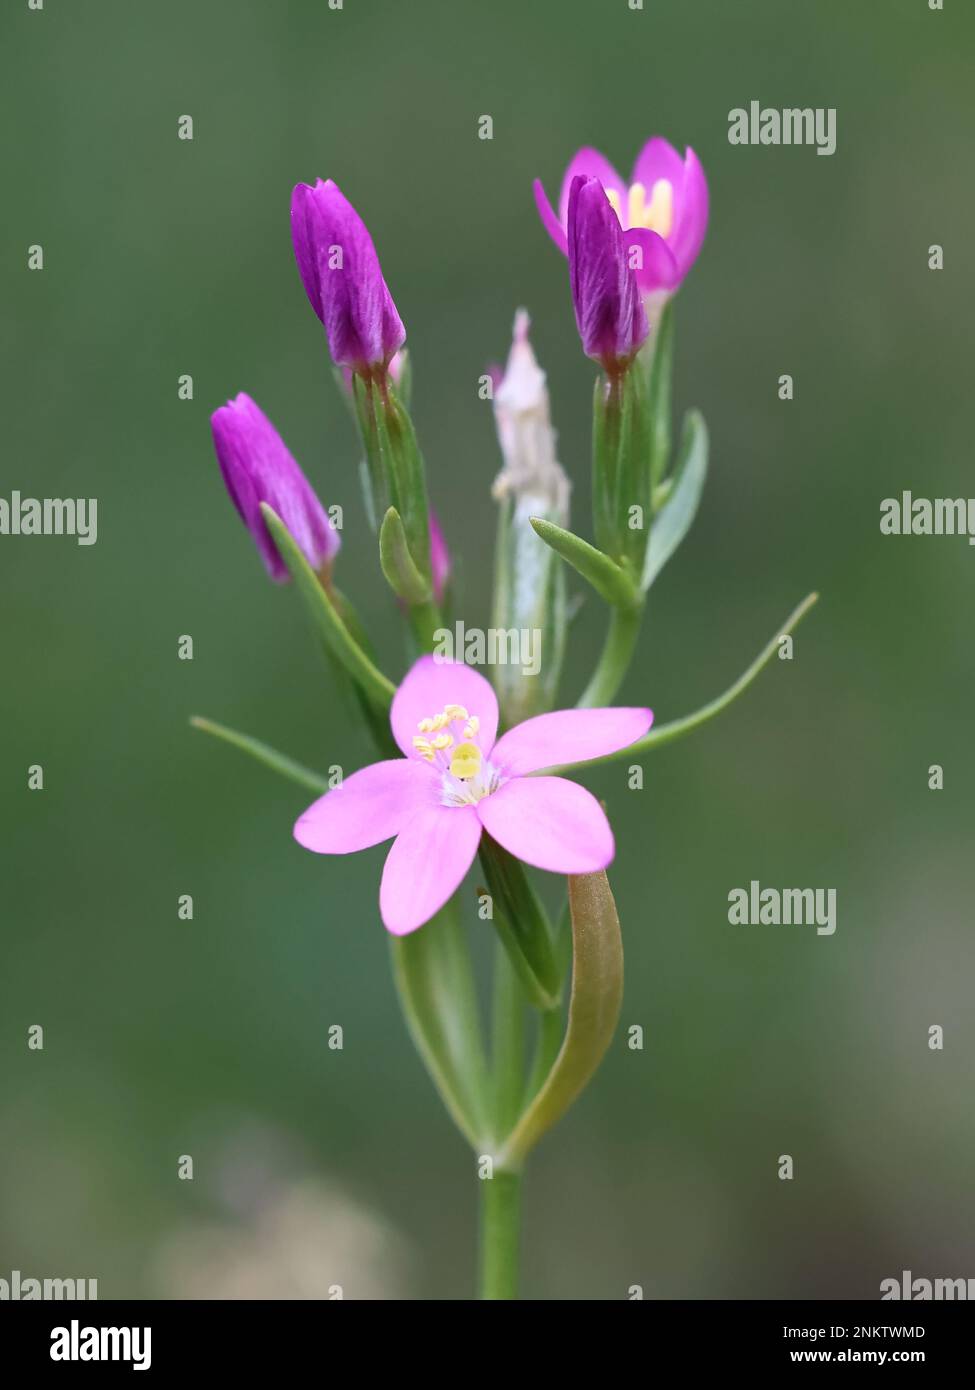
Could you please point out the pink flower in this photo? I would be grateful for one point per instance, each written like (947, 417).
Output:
(457, 779)
(663, 210)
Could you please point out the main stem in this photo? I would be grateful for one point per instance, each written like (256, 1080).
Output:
(621, 638)
(500, 1225)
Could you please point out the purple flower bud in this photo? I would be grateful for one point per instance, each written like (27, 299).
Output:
(343, 279)
(610, 315)
(256, 468)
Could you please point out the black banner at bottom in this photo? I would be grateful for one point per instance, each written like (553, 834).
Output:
(167, 1339)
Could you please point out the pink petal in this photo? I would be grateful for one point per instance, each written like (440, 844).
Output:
(659, 269)
(659, 160)
(550, 823)
(692, 223)
(591, 164)
(549, 220)
(367, 808)
(426, 865)
(567, 736)
(429, 685)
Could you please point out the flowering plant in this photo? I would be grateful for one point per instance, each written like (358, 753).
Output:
(447, 788)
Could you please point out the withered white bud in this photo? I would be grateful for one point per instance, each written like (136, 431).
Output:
(531, 474)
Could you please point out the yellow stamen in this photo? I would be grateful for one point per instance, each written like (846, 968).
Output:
(455, 712)
(658, 215)
(466, 761)
(443, 741)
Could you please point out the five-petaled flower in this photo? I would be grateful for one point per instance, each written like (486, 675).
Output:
(257, 467)
(456, 779)
(343, 279)
(663, 210)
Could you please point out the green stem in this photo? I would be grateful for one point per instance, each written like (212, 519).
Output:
(508, 1033)
(621, 639)
(425, 620)
(500, 1223)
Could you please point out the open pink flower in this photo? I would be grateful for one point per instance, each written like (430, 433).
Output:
(663, 209)
(457, 779)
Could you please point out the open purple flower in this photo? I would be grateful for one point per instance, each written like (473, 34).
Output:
(343, 279)
(663, 210)
(609, 312)
(456, 779)
(257, 467)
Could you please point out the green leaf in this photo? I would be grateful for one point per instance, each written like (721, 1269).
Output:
(325, 616)
(674, 519)
(432, 971)
(610, 581)
(666, 733)
(521, 923)
(404, 578)
(264, 753)
(594, 1009)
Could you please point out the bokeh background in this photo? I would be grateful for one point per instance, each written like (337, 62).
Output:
(165, 1037)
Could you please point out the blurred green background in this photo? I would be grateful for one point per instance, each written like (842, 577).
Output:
(209, 1038)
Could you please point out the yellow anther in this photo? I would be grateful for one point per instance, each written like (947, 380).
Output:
(455, 712)
(443, 741)
(425, 726)
(472, 726)
(658, 214)
(466, 761)
(421, 744)
(635, 205)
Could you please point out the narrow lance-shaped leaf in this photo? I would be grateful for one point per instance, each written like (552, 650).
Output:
(609, 579)
(666, 733)
(674, 519)
(263, 753)
(432, 971)
(326, 618)
(403, 577)
(594, 1008)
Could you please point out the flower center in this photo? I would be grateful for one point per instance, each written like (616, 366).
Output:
(466, 778)
(657, 215)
